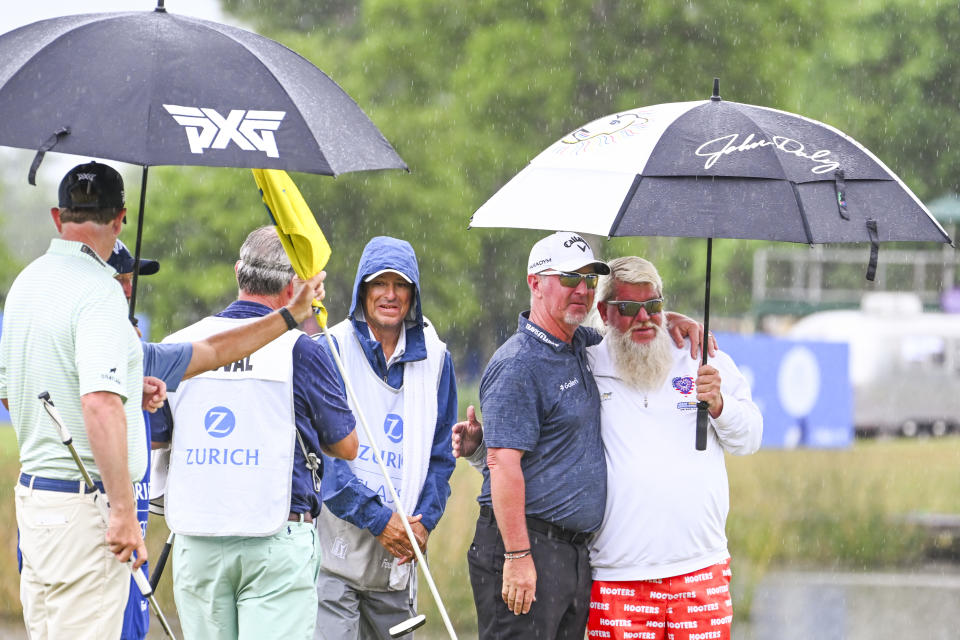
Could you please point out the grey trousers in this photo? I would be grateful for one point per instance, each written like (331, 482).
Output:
(347, 613)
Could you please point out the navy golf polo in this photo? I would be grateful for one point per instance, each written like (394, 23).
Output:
(538, 395)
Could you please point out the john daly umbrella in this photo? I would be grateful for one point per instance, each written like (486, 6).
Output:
(713, 169)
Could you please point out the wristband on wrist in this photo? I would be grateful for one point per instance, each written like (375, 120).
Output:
(288, 318)
(516, 555)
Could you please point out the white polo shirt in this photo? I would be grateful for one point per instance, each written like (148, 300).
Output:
(65, 331)
(667, 503)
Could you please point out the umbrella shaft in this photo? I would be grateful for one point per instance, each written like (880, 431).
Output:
(136, 256)
(701, 431)
(706, 302)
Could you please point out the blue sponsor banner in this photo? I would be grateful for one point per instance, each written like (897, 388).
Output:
(801, 386)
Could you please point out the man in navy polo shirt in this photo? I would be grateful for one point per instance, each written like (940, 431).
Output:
(544, 476)
(545, 472)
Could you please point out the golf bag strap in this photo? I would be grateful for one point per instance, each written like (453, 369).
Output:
(874, 248)
(46, 146)
(841, 186)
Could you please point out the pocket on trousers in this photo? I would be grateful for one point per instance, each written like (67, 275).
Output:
(485, 552)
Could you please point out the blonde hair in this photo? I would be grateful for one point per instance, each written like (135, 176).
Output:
(629, 270)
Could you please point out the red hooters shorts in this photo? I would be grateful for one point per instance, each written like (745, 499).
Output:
(695, 606)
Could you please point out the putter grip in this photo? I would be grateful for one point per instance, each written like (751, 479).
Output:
(141, 579)
(701, 426)
(158, 569)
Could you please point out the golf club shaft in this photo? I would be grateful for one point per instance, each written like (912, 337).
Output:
(143, 584)
(161, 562)
(386, 476)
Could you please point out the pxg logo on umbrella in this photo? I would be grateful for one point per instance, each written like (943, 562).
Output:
(206, 129)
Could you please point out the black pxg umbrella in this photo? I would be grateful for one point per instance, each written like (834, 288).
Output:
(713, 169)
(153, 88)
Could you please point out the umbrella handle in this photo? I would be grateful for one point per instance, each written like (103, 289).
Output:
(701, 439)
(701, 426)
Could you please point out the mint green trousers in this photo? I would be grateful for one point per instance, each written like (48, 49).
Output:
(235, 588)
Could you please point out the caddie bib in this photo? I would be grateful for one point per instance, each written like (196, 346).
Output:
(234, 432)
(383, 408)
(347, 551)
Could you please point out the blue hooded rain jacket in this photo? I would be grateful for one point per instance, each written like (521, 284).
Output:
(343, 493)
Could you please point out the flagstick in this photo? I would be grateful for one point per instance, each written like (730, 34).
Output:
(386, 475)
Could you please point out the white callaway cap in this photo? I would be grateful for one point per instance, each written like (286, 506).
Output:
(564, 251)
(370, 277)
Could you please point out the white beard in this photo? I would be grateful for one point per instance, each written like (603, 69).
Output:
(642, 366)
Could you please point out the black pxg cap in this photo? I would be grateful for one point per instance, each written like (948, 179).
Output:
(91, 186)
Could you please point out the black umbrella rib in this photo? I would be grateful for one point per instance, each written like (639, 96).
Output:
(746, 114)
(637, 179)
(803, 213)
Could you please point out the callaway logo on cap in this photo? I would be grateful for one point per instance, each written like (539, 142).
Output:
(564, 251)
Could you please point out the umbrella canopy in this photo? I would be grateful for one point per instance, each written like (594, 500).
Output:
(711, 169)
(152, 88)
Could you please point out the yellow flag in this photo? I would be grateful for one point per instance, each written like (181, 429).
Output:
(299, 232)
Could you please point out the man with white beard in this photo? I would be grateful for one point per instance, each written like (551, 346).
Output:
(660, 563)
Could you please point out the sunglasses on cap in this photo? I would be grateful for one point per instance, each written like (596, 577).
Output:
(631, 308)
(572, 280)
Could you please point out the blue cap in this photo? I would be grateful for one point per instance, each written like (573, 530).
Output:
(122, 261)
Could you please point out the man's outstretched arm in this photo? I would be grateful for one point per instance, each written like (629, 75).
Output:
(229, 346)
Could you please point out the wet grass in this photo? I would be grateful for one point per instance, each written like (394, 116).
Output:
(825, 509)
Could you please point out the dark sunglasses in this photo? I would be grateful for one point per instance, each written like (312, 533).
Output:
(572, 280)
(630, 308)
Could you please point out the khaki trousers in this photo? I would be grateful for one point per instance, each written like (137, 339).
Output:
(71, 585)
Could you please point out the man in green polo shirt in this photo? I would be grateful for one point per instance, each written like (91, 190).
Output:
(65, 331)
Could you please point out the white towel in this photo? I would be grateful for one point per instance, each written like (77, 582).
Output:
(421, 379)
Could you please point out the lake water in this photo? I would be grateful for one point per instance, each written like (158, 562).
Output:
(908, 605)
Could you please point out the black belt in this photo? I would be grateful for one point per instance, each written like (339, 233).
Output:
(553, 531)
(55, 484)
